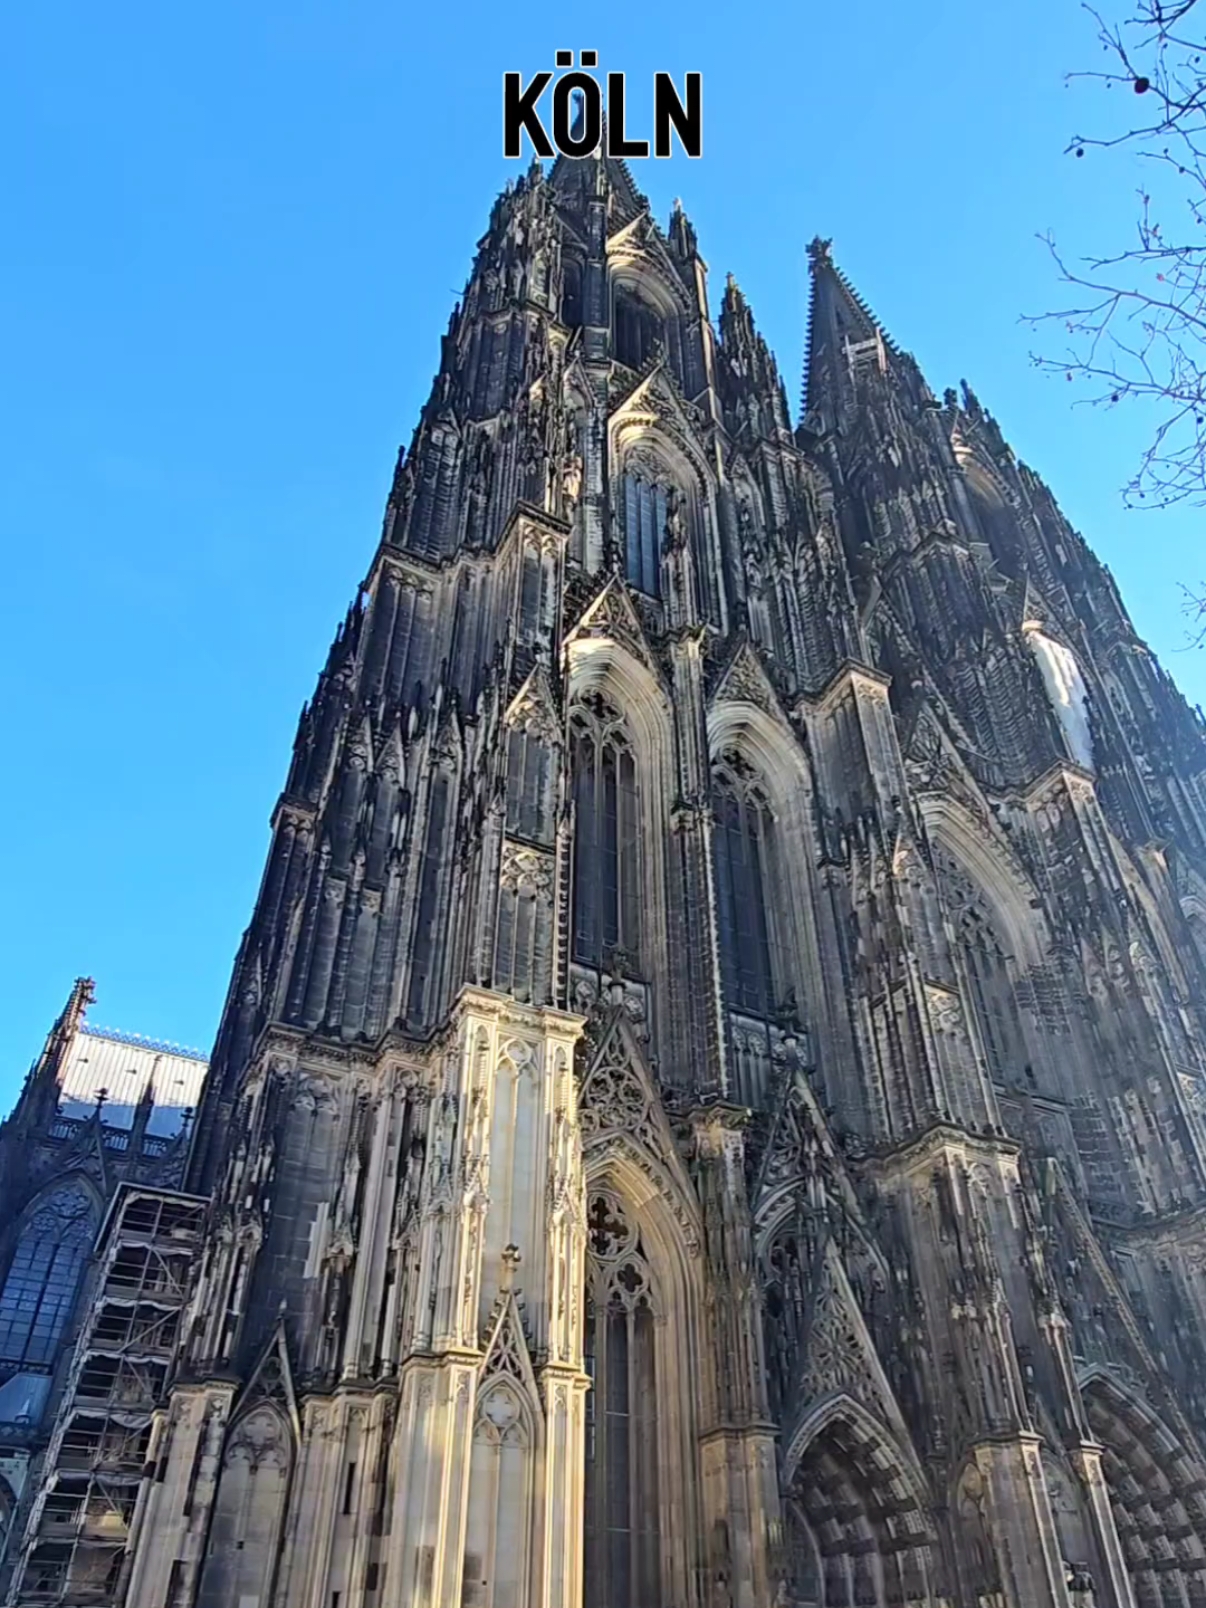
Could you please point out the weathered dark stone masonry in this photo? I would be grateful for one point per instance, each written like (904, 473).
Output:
(709, 1109)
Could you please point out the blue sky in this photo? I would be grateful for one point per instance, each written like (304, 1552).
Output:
(233, 237)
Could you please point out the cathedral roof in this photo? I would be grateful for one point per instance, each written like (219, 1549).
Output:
(130, 1069)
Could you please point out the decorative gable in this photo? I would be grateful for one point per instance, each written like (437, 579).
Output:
(746, 681)
(613, 614)
(839, 1357)
(620, 1112)
(534, 707)
(800, 1150)
(272, 1381)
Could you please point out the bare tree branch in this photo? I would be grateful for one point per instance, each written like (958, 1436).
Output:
(1195, 609)
(1136, 325)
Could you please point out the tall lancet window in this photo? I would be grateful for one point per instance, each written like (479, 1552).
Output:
(571, 293)
(524, 945)
(606, 838)
(638, 330)
(623, 1554)
(988, 974)
(431, 879)
(43, 1278)
(529, 785)
(646, 505)
(991, 990)
(742, 850)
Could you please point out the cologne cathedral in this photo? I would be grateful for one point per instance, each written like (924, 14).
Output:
(710, 1110)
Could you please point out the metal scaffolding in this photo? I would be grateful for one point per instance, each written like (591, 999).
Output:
(75, 1542)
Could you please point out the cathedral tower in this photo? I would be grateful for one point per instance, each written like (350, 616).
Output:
(708, 1112)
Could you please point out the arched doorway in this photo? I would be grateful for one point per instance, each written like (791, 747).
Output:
(857, 1528)
(1158, 1494)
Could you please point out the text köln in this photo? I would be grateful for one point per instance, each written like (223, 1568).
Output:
(579, 127)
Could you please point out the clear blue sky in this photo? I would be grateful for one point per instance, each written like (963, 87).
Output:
(232, 239)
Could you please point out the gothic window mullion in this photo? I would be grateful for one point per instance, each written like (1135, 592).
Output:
(632, 516)
(622, 1517)
(586, 858)
(602, 1471)
(749, 911)
(595, 1481)
(628, 824)
(37, 1350)
(759, 885)
(638, 570)
(37, 1293)
(618, 1458)
(607, 851)
(743, 870)
(726, 909)
(649, 537)
(637, 1456)
(658, 516)
(645, 505)
(609, 858)
(646, 1552)
(741, 906)
(30, 1267)
(525, 912)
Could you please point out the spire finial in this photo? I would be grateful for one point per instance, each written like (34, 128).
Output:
(510, 1260)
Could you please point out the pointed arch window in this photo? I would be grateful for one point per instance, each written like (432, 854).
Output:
(606, 838)
(623, 1549)
(529, 785)
(742, 851)
(991, 990)
(537, 592)
(496, 1542)
(43, 1280)
(784, 1317)
(571, 293)
(638, 329)
(249, 1511)
(431, 879)
(646, 505)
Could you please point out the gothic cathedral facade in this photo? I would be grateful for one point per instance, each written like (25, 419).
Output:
(711, 1106)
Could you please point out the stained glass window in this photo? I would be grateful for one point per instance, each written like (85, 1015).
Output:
(638, 330)
(743, 826)
(606, 842)
(529, 786)
(43, 1278)
(646, 504)
(991, 993)
(623, 1567)
(433, 866)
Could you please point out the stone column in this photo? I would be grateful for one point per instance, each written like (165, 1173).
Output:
(172, 1521)
(503, 1191)
(1114, 1590)
(740, 1485)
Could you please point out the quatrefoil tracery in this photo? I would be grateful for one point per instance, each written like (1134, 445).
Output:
(610, 1232)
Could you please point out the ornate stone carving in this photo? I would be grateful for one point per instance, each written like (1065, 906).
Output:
(620, 1111)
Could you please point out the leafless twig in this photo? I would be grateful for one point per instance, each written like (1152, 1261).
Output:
(1136, 326)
